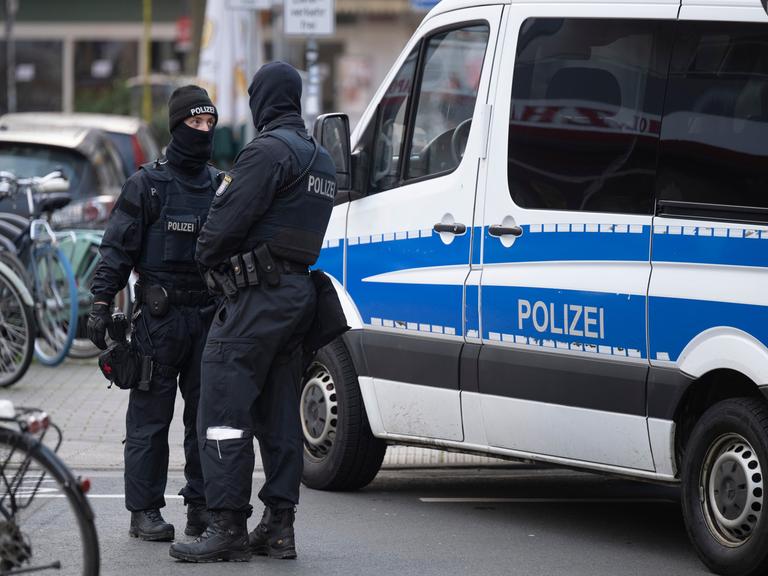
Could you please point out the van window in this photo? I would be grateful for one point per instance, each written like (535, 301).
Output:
(447, 93)
(587, 98)
(386, 161)
(715, 128)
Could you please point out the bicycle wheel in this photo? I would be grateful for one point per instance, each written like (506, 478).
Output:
(55, 305)
(11, 260)
(17, 331)
(45, 519)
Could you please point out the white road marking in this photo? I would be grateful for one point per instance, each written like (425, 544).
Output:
(549, 500)
(105, 496)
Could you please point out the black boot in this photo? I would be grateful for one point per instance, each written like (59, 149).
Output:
(274, 535)
(226, 538)
(149, 525)
(197, 519)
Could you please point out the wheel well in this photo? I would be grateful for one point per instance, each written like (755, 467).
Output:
(708, 390)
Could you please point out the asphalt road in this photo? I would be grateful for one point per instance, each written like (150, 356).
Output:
(515, 520)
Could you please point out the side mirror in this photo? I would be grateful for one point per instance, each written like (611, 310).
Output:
(332, 131)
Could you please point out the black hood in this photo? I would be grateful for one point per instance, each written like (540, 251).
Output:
(274, 92)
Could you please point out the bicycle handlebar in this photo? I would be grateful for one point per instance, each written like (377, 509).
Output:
(54, 181)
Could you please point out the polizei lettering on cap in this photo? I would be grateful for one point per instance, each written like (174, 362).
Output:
(322, 186)
(202, 110)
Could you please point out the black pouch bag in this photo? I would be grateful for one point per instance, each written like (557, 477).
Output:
(329, 322)
(121, 365)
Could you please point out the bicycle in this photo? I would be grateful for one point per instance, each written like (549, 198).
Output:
(82, 249)
(41, 262)
(37, 489)
(17, 327)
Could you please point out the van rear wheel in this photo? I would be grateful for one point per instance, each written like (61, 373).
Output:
(722, 487)
(340, 451)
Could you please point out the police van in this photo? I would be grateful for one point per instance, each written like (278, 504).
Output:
(550, 238)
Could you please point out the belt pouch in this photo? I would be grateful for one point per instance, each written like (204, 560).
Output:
(267, 264)
(238, 271)
(157, 299)
(251, 273)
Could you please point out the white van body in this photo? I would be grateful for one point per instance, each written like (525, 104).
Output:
(555, 247)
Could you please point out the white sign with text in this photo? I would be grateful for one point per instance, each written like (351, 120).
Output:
(310, 17)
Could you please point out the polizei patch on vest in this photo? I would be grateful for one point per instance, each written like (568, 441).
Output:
(322, 186)
(227, 180)
(180, 226)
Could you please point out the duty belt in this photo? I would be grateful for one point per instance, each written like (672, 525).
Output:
(252, 267)
(177, 297)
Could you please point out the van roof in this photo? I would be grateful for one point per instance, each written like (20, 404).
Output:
(450, 5)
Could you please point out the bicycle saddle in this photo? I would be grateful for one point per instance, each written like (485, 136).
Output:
(50, 201)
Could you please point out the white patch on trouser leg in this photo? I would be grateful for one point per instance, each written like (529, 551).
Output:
(219, 433)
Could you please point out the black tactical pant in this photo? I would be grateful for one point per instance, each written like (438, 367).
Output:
(251, 374)
(175, 340)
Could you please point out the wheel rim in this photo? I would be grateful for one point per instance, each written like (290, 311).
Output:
(319, 409)
(731, 490)
(15, 333)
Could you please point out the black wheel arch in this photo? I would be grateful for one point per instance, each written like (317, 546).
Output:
(703, 393)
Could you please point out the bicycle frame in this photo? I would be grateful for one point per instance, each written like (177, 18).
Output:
(34, 425)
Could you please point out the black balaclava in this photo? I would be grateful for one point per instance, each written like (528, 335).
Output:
(189, 149)
(275, 92)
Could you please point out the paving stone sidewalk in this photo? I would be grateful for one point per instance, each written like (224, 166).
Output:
(92, 419)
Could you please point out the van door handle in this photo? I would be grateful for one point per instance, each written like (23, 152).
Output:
(457, 228)
(499, 230)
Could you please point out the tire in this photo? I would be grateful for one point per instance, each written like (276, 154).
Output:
(56, 323)
(722, 487)
(340, 452)
(33, 520)
(12, 261)
(17, 334)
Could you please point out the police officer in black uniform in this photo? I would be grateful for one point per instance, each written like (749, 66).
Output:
(153, 229)
(264, 230)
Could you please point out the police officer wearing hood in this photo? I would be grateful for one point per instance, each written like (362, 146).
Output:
(264, 230)
(153, 229)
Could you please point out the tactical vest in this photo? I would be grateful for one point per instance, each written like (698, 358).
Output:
(177, 214)
(295, 223)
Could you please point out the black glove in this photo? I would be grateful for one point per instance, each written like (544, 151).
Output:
(98, 320)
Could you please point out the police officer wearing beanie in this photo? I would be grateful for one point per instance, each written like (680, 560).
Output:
(265, 228)
(152, 230)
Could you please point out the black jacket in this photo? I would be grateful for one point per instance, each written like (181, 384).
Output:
(124, 239)
(242, 204)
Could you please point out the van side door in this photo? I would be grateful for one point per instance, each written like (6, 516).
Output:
(566, 232)
(410, 228)
(708, 297)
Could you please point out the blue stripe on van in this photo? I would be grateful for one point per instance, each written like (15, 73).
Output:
(541, 246)
(422, 305)
(751, 250)
(674, 322)
(472, 311)
(516, 317)
(331, 260)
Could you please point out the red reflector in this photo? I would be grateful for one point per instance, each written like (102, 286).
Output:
(85, 485)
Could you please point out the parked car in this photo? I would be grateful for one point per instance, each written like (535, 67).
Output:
(550, 240)
(88, 159)
(131, 136)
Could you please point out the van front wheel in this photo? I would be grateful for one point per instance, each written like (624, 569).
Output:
(722, 487)
(340, 451)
